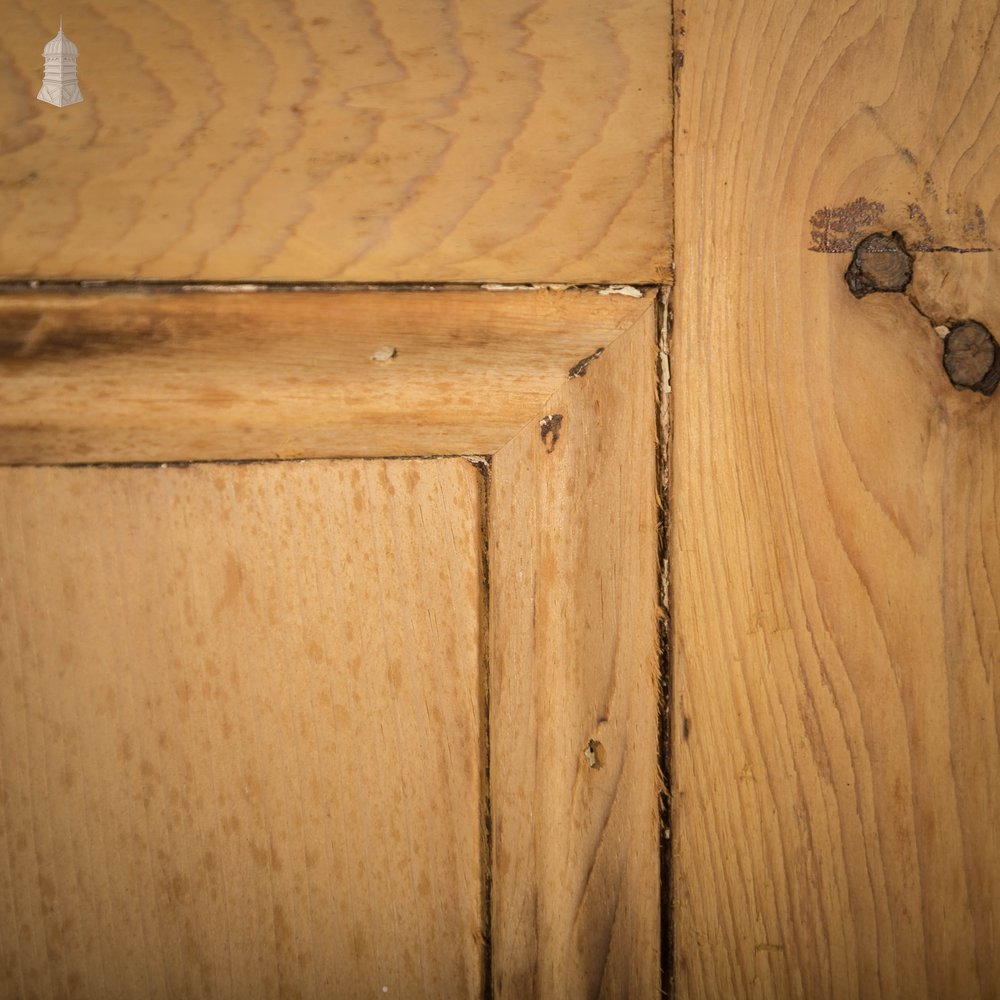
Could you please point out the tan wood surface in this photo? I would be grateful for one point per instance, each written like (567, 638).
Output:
(835, 552)
(163, 376)
(378, 141)
(574, 688)
(240, 731)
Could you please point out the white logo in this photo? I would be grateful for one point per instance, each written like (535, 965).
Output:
(59, 86)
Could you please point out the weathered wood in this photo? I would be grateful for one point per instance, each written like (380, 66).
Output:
(835, 552)
(160, 376)
(574, 687)
(241, 731)
(373, 141)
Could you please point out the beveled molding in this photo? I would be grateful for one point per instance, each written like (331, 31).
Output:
(164, 375)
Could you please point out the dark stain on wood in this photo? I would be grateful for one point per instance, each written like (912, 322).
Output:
(929, 243)
(34, 335)
(919, 217)
(837, 230)
(972, 358)
(685, 728)
(580, 368)
(880, 263)
(549, 426)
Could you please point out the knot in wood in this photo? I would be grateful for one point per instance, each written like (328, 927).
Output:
(880, 264)
(971, 357)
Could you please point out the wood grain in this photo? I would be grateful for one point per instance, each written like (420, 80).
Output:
(240, 731)
(574, 688)
(373, 141)
(165, 376)
(835, 551)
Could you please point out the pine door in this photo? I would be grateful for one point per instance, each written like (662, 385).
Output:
(475, 519)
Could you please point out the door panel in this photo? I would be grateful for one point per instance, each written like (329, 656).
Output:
(241, 730)
(522, 140)
(565, 893)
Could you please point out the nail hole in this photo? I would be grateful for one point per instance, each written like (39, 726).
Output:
(594, 754)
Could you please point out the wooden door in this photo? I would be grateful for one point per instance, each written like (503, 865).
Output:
(735, 698)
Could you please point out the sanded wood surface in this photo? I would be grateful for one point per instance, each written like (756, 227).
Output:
(835, 550)
(162, 376)
(574, 688)
(360, 141)
(240, 731)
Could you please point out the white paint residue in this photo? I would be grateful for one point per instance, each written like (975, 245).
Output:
(224, 288)
(523, 288)
(386, 353)
(629, 290)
